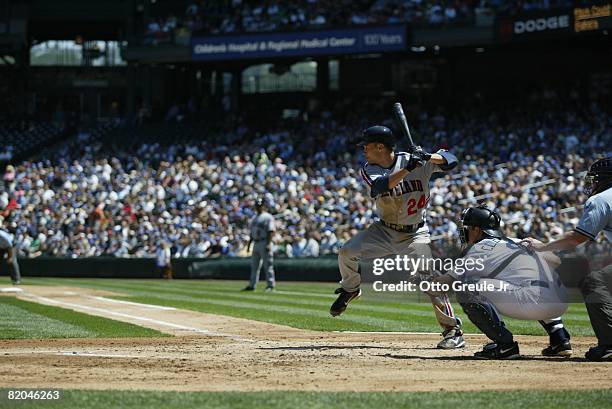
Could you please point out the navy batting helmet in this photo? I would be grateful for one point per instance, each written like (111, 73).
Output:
(599, 176)
(377, 134)
(488, 220)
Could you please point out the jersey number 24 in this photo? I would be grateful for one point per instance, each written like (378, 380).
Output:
(413, 206)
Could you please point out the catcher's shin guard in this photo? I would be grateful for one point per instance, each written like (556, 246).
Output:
(484, 315)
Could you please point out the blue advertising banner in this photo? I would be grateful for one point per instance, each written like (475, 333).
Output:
(304, 43)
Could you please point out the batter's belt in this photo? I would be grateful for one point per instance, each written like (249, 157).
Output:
(403, 228)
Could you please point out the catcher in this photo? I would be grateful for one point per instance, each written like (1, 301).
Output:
(512, 281)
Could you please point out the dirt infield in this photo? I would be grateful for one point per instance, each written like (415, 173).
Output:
(219, 353)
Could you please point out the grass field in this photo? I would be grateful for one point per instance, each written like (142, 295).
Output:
(26, 320)
(592, 399)
(300, 305)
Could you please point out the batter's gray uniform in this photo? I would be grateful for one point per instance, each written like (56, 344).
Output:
(597, 286)
(261, 227)
(532, 291)
(402, 228)
(6, 244)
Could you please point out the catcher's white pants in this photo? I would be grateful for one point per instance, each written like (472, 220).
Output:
(527, 302)
(378, 241)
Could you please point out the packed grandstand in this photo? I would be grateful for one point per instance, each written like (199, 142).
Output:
(231, 16)
(193, 186)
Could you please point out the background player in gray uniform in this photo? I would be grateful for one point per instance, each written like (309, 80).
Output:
(511, 281)
(399, 184)
(597, 285)
(262, 228)
(8, 248)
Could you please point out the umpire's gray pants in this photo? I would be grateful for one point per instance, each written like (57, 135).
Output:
(596, 289)
(262, 257)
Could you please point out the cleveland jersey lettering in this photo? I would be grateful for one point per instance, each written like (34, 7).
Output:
(405, 203)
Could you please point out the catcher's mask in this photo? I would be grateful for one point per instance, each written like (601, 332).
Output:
(599, 176)
(480, 216)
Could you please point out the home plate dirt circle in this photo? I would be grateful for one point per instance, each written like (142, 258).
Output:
(219, 353)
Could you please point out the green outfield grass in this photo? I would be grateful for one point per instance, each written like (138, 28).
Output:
(26, 320)
(300, 305)
(591, 399)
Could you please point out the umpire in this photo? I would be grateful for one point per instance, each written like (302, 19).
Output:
(262, 228)
(597, 285)
(7, 246)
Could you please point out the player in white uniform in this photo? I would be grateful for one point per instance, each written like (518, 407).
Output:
(505, 278)
(597, 285)
(7, 246)
(399, 184)
(262, 228)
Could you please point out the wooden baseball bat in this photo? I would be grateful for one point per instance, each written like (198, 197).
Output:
(402, 123)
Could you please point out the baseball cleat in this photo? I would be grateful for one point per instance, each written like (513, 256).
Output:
(248, 288)
(345, 297)
(453, 339)
(599, 353)
(269, 289)
(494, 351)
(563, 349)
(17, 282)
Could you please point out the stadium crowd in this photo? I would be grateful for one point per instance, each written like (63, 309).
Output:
(89, 198)
(219, 17)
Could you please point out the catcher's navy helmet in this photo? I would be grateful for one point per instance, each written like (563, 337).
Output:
(377, 134)
(488, 220)
(599, 176)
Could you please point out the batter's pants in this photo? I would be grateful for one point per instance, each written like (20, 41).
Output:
(262, 257)
(596, 290)
(379, 241)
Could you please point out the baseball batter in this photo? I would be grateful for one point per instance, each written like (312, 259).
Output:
(262, 228)
(399, 184)
(510, 281)
(7, 246)
(597, 286)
